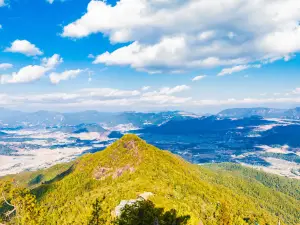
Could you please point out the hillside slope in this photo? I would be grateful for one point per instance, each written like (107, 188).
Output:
(130, 167)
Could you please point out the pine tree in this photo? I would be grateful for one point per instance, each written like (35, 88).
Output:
(96, 214)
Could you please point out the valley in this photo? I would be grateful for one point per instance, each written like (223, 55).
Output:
(270, 144)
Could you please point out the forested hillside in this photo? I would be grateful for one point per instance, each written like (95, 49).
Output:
(211, 195)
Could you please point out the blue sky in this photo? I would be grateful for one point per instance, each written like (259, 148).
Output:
(145, 55)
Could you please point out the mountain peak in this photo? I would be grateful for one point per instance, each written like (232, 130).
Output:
(124, 156)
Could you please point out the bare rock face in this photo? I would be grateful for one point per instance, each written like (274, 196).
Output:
(102, 173)
(123, 203)
(120, 171)
(125, 157)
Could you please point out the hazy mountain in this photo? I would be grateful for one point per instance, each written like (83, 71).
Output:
(85, 128)
(292, 113)
(204, 125)
(248, 112)
(48, 118)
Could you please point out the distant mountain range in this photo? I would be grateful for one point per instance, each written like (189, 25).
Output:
(204, 125)
(263, 112)
(49, 118)
(15, 118)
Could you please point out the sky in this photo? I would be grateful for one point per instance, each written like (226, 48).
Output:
(149, 55)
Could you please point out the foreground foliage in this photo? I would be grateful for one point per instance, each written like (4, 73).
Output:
(145, 213)
(210, 195)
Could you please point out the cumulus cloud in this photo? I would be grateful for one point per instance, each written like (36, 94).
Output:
(31, 72)
(52, 62)
(24, 75)
(235, 69)
(232, 33)
(198, 77)
(5, 66)
(56, 78)
(24, 47)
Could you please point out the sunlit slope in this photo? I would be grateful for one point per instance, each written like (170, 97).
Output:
(130, 166)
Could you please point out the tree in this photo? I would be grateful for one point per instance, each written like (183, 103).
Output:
(145, 213)
(96, 214)
(20, 205)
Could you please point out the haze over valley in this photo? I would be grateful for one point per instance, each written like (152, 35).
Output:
(42, 139)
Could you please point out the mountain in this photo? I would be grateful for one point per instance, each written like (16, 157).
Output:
(203, 125)
(54, 119)
(86, 128)
(210, 195)
(248, 112)
(292, 113)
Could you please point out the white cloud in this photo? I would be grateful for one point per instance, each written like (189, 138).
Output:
(231, 34)
(91, 56)
(296, 91)
(146, 88)
(52, 62)
(176, 89)
(51, 1)
(24, 75)
(31, 73)
(246, 101)
(5, 66)
(165, 93)
(2, 3)
(108, 92)
(138, 55)
(24, 47)
(56, 78)
(198, 77)
(1, 27)
(235, 69)
(96, 97)
(206, 35)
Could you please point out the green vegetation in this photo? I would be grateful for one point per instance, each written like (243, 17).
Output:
(96, 217)
(224, 194)
(145, 213)
(289, 187)
(34, 179)
(288, 157)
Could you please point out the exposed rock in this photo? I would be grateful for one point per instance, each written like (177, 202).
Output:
(103, 172)
(146, 195)
(123, 203)
(120, 171)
